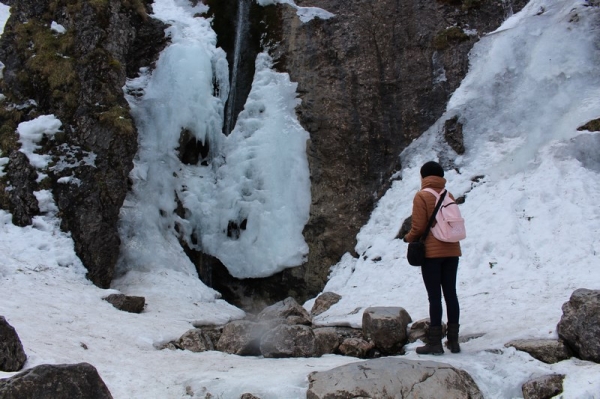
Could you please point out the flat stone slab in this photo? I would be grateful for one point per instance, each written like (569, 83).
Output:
(393, 378)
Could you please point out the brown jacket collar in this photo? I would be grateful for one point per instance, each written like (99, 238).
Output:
(435, 182)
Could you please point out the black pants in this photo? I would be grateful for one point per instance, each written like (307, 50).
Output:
(439, 274)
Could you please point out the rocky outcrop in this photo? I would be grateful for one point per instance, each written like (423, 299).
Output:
(393, 378)
(579, 325)
(65, 381)
(12, 355)
(76, 75)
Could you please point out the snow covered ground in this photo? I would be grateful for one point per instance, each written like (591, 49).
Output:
(532, 225)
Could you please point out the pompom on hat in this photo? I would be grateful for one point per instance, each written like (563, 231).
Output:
(432, 168)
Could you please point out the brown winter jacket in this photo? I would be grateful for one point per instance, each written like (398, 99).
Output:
(423, 206)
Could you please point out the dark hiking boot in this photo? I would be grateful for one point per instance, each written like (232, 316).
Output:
(453, 344)
(434, 346)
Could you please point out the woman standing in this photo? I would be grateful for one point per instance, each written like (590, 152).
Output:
(440, 266)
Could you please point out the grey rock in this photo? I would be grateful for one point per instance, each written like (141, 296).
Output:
(327, 340)
(241, 337)
(64, 381)
(386, 327)
(544, 387)
(289, 341)
(126, 303)
(12, 355)
(196, 340)
(356, 347)
(288, 309)
(545, 350)
(579, 325)
(324, 302)
(393, 378)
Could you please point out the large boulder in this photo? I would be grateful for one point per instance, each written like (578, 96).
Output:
(386, 327)
(12, 355)
(579, 325)
(393, 378)
(289, 341)
(545, 350)
(64, 381)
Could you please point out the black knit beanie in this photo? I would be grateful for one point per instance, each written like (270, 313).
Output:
(432, 168)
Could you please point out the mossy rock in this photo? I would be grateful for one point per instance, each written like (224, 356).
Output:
(49, 64)
(118, 117)
(592, 126)
(448, 36)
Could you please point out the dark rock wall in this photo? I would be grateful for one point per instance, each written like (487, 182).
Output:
(369, 80)
(77, 76)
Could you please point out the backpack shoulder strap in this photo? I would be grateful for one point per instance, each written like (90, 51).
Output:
(440, 199)
(432, 191)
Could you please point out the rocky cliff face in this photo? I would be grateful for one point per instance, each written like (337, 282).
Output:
(371, 79)
(78, 76)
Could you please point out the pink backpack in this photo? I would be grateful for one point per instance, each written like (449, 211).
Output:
(449, 224)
